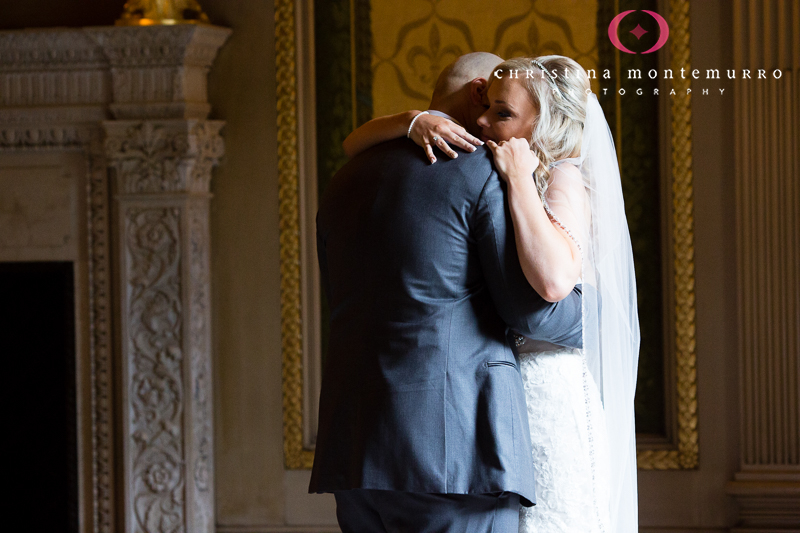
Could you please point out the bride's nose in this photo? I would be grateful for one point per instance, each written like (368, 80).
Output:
(483, 122)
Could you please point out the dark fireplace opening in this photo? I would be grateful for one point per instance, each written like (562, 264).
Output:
(37, 321)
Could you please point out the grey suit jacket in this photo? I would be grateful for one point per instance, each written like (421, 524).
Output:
(421, 391)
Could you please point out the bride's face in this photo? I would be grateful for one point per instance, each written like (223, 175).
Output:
(509, 111)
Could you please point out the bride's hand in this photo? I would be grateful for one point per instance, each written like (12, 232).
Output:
(431, 130)
(513, 158)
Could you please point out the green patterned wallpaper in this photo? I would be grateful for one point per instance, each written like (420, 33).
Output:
(334, 47)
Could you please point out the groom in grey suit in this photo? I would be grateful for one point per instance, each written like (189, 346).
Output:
(422, 423)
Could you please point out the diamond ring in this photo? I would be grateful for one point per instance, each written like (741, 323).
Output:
(436, 138)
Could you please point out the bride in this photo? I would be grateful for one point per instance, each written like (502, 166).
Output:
(542, 122)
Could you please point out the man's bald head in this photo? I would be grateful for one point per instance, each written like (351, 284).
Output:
(460, 85)
(463, 70)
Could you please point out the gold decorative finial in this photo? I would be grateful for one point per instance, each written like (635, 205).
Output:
(167, 12)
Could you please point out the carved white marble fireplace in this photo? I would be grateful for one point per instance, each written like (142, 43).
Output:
(105, 161)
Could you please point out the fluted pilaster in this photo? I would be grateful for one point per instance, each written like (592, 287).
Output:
(767, 118)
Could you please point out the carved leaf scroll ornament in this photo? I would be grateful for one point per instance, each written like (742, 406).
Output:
(153, 157)
(156, 405)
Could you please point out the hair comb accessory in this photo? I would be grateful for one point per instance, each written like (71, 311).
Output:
(538, 65)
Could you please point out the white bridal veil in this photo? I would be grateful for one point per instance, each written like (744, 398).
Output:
(611, 322)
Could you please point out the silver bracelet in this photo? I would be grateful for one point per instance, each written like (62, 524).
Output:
(414, 120)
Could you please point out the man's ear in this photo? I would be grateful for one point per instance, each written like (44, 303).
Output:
(477, 90)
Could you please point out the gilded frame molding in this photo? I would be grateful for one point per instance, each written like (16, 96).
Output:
(296, 456)
(683, 454)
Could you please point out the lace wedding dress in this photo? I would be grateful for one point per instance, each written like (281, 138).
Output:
(565, 412)
(584, 448)
(570, 450)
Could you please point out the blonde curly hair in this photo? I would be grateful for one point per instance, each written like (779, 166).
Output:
(560, 101)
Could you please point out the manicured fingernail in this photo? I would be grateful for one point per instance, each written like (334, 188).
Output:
(455, 155)
(433, 160)
(472, 148)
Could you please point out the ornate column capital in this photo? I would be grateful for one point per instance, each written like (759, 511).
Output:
(159, 71)
(168, 156)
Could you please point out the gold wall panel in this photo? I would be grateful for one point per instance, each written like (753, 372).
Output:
(414, 40)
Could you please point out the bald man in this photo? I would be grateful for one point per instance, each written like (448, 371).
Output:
(459, 90)
(422, 420)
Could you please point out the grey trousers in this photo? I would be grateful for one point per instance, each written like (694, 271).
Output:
(384, 511)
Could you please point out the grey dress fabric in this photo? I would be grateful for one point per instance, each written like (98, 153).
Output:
(421, 391)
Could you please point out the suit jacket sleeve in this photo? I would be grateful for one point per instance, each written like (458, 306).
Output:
(522, 309)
